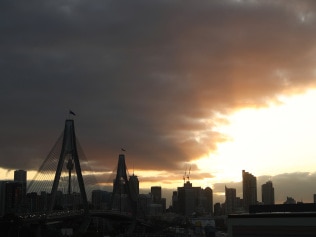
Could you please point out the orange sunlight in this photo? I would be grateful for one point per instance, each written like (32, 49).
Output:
(267, 141)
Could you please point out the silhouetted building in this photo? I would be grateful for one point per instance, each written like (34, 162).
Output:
(314, 198)
(184, 193)
(207, 193)
(175, 207)
(188, 200)
(283, 208)
(11, 196)
(100, 199)
(20, 176)
(272, 224)
(156, 192)
(134, 186)
(230, 195)
(44, 200)
(217, 209)
(249, 186)
(289, 200)
(267, 193)
(143, 205)
(159, 203)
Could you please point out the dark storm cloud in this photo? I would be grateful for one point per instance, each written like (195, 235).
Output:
(149, 76)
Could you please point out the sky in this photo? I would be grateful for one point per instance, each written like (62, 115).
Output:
(215, 85)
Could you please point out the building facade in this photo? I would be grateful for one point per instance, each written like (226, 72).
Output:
(230, 200)
(156, 192)
(267, 193)
(11, 197)
(249, 186)
(188, 200)
(20, 176)
(134, 186)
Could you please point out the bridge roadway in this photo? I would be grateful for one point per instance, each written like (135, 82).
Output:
(59, 216)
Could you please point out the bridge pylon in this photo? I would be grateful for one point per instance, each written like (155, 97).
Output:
(124, 196)
(69, 158)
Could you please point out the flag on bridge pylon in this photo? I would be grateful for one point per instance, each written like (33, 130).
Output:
(71, 112)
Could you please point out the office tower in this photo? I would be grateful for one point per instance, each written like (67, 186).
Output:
(249, 186)
(267, 193)
(189, 199)
(158, 205)
(217, 209)
(208, 204)
(156, 192)
(314, 198)
(20, 176)
(11, 197)
(134, 186)
(100, 199)
(175, 205)
(230, 195)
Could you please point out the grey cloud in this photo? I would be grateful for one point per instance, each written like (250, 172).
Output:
(143, 74)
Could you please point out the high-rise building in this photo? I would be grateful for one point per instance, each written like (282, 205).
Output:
(230, 201)
(156, 192)
(249, 188)
(100, 199)
(267, 193)
(10, 197)
(134, 186)
(175, 205)
(217, 209)
(188, 199)
(20, 176)
(208, 197)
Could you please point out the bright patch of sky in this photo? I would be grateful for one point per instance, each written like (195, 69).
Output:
(267, 141)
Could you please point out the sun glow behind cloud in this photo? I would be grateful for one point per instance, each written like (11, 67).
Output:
(267, 141)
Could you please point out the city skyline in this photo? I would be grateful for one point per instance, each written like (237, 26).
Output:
(281, 194)
(218, 86)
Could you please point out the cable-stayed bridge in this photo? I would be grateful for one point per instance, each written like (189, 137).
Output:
(59, 191)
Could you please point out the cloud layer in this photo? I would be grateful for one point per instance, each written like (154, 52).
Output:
(149, 76)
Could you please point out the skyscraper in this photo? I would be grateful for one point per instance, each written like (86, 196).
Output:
(267, 193)
(134, 186)
(188, 198)
(11, 197)
(230, 194)
(156, 192)
(208, 196)
(20, 176)
(249, 188)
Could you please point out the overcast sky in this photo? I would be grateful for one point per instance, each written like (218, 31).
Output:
(154, 77)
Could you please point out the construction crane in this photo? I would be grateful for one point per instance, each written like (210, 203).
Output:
(188, 176)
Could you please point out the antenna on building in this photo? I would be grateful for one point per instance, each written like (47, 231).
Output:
(185, 174)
